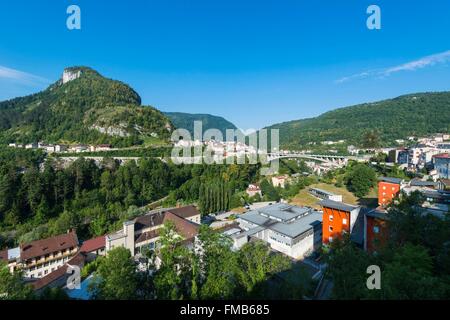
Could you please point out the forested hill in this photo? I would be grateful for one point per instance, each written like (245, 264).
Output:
(186, 121)
(387, 120)
(82, 107)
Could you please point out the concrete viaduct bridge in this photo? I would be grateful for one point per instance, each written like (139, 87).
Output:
(98, 160)
(325, 160)
(330, 160)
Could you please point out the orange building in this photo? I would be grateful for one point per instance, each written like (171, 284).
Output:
(338, 218)
(388, 189)
(375, 230)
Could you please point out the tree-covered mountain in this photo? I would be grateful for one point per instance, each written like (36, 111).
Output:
(383, 121)
(82, 107)
(186, 121)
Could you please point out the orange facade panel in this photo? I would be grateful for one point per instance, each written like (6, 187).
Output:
(376, 233)
(334, 224)
(387, 192)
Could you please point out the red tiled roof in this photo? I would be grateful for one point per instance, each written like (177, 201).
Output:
(147, 236)
(227, 227)
(46, 246)
(442, 156)
(185, 212)
(78, 260)
(149, 220)
(4, 255)
(93, 244)
(185, 228)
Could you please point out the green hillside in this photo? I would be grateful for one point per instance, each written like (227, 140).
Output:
(186, 121)
(387, 120)
(87, 109)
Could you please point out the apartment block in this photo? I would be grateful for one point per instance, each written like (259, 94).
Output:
(338, 218)
(388, 189)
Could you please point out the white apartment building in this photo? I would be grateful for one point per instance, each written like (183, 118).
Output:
(289, 229)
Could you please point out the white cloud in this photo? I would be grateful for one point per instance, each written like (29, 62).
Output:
(21, 77)
(421, 63)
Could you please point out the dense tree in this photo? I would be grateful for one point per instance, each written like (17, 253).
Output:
(347, 266)
(256, 264)
(391, 119)
(270, 193)
(116, 277)
(217, 265)
(371, 139)
(414, 261)
(80, 111)
(360, 179)
(12, 286)
(409, 275)
(174, 277)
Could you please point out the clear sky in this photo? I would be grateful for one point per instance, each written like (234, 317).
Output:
(253, 62)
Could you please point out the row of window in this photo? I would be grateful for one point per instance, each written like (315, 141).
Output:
(331, 218)
(47, 264)
(276, 240)
(330, 229)
(46, 271)
(54, 255)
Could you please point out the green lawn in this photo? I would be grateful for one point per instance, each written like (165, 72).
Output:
(303, 198)
(152, 142)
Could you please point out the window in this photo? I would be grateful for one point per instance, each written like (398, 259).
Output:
(330, 239)
(384, 187)
(330, 217)
(393, 189)
(344, 221)
(376, 229)
(330, 228)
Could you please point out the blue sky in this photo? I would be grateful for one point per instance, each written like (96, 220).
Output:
(253, 62)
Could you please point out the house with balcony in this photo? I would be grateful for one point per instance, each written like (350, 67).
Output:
(41, 257)
(280, 181)
(253, 190)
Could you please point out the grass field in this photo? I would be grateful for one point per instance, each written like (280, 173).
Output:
(303, 198)
(152, 142)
